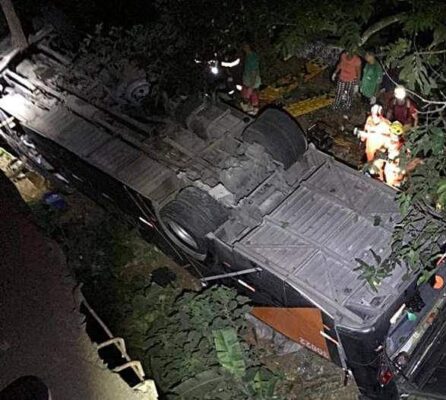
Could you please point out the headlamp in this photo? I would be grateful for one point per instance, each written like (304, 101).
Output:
(400, 93)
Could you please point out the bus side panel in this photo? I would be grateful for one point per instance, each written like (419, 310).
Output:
(108, 192)
(88, 179)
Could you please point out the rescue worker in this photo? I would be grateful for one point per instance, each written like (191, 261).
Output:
(371, 78)
(251, 81)
(233, 68)
(349, 70)
(401, 108)
(395, 141)
(376, 133)
(394, 175)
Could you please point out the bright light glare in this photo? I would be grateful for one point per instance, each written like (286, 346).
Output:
(214, 70)
(239, 87)
(144, 221)
(400, 93)
(230, 64)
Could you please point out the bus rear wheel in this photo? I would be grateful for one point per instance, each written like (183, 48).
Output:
(190, 217)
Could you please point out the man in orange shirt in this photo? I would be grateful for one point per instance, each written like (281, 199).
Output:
(349, 70)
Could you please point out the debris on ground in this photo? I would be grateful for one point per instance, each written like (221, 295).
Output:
(284, 86)
(314, 67)
(28, 182)
(54, 200)
(307, 106)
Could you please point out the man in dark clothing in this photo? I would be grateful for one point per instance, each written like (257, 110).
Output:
(403, 109)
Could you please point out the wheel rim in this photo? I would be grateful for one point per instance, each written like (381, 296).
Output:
(137, 91)
(182, 234)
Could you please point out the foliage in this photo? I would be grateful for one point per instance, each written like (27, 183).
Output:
(166, 47)
(375, 273)
(192, 343)
(229, 352)
(334, 21)
(201, 337)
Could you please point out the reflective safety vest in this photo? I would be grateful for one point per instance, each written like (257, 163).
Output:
(376, 136)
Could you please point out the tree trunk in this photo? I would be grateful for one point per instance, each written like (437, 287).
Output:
(18, 38)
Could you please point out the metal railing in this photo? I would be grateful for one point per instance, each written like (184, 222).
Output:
(146, 386)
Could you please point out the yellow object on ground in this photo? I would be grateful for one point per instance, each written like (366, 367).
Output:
(309, 105)
(271, 93)
(314, 68)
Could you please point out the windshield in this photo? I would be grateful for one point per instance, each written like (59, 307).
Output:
(415, 341)
(415, 316)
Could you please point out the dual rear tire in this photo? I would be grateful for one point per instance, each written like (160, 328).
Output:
(190, 217)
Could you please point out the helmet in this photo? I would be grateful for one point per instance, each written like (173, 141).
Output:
(396, 128)
(376, 109)
(400, 92)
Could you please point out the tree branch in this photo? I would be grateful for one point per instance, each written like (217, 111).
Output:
(384, 23)
(424, 100)
(435, 111)
(431, 52)
(18, 38)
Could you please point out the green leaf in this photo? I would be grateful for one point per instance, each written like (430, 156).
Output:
(199, 384)
(441, 186)
(439, 36)
(376, 257)
(437, 140)
(229, 351)
(264, 386)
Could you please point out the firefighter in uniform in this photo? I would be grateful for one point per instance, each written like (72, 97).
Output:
(376, 133)
(393, 174)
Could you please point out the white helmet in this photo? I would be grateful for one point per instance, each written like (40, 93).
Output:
(376, 110)
(400, 92)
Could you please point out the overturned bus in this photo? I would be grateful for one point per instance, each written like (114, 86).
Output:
(245, 202)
